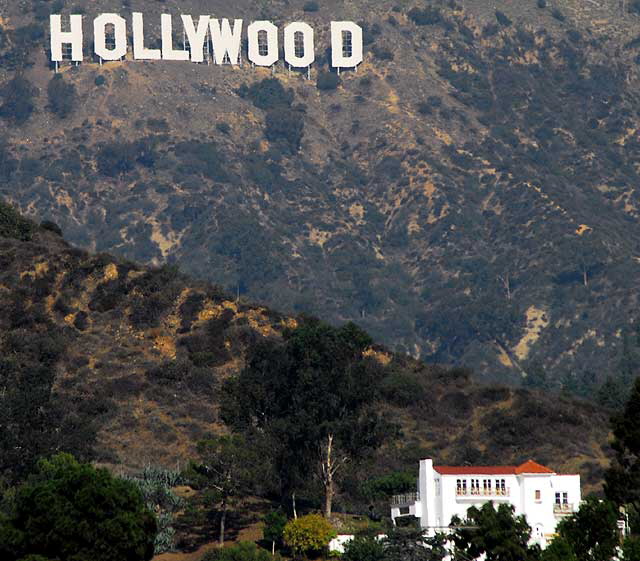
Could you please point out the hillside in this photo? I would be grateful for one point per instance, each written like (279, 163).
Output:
(122, 364)
(468, 195)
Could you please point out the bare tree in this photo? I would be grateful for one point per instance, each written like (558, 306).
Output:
(331, 461)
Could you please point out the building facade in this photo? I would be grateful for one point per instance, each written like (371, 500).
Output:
(542, 495)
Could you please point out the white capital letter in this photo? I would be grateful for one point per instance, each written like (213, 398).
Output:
(58, 37)
(290, 54)
(140, 52)
(340, 55)
(196, 37)
(100, 40)
(225, 40)
(168, 52)
(253, 35)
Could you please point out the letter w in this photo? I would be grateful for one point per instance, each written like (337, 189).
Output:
(226, 42)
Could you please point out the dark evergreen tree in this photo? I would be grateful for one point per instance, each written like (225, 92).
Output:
(591, 533)
(313, 397)
(411, 544)
(622, 479)
(69, 511)
(498, 534)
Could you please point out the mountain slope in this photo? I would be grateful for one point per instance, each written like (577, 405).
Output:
(468, 195)
(123, 364)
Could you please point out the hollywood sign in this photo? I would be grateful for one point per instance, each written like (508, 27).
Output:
(225, 37)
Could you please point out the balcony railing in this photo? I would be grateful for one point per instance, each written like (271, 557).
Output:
(405, 499)
(564, 508)
(483, 492)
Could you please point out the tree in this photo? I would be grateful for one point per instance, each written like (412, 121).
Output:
(274, 524)
(622, 479)
(308, 534)
(591, 533)
(631, 549)
(364, 548)
(314, 396)
(411, 544)
(69, 511)
(227, 469)
(559, 550)
(62, 96)
(498, 534)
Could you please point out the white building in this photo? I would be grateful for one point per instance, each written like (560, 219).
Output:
(542, 495)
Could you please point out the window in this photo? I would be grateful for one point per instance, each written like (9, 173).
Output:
(538, 495)
(565, 498)
(404, 510)
(557, 498)
(501, 487)
(486, 486)
(475, 486)
(461, 486)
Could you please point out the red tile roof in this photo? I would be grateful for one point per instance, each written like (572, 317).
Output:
(533, 467)
(475, 470)
(528, 467)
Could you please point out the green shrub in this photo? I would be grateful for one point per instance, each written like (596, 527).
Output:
(427, 16)
(224, 128)
(402, 388)
(51, 227)
(503, 19)
(269, 94)
(115, 158)
(17, 97)
(62, 96)
(13, 225)
(286, 127)
(311, 6)
(201, 158)
(327, 81)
